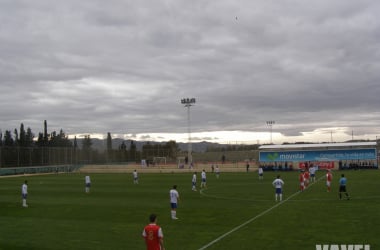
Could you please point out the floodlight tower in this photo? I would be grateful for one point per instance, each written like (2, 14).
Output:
(270, 124)
(188, 102)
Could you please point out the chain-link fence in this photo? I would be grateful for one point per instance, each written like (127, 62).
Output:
(37, 156)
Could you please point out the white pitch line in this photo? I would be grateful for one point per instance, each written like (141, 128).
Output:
(247, 222)
(252, 219)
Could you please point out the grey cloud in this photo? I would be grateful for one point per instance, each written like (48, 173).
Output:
(123, 66)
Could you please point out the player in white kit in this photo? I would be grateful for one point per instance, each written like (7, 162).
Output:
(174, 198)
(278, 183)
(87, 183)
(24, 193)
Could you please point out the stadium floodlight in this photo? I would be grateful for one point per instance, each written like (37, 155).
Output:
(188, 102)
(270, 124)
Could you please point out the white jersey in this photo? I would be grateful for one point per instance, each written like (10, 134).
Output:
(174, 195)
(135, 175)
(312, 170)
(87, 179)
(203, 175)
(217, 170)
(24, 189)
(278, 183)
(194, 178)
(261, 171)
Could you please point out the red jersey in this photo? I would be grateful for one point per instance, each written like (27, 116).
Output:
(302, 177)
(152, 234)
(306, 175)
(329, 176)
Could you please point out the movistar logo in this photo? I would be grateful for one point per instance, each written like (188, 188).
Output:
(272, 157)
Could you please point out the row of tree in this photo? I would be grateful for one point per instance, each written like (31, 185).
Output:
(25, 138)
(21, 149)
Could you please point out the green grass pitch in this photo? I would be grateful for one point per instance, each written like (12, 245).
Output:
(236, 211)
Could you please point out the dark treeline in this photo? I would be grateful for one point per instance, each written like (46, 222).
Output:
(22, 148)
(233, 147)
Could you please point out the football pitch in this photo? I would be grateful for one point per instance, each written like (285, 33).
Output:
(236, 211)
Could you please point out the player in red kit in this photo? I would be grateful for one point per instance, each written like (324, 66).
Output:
(302, 181)
(328, 180)
(307, 177)
(154, 238)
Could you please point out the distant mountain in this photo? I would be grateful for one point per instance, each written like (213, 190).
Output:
(101, 144)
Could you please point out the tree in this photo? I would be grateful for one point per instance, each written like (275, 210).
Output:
(147, 151)
(123, 153)
(45, 136)
(22, 138)
(86, 143)
(75, 142)
(29, 137)
(59, 140)
(75, 156)
(109, 146)
(8, 140)
(172, 149)
(109, 142)
(133, 151)
(123, 146)
(87, 147)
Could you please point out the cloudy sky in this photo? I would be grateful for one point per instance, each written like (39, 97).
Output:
(120, 66)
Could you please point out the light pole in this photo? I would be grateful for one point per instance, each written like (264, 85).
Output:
(188, 102)
(270, 124)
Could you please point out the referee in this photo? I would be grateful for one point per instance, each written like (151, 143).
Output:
(342, 187)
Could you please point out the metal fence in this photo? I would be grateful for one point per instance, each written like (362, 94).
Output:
(37, 156)
(53, 156)
(38, 170)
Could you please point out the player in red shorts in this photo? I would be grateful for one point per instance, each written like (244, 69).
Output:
(307, 177)
(328, 180)
(302, 181)
(154, 238)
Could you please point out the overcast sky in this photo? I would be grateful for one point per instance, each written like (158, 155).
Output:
(118, 66)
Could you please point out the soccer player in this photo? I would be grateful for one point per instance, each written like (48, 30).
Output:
(217, 172)
(278, 183)
(24, 193)
(135, 177)
(261, 173)
(153, 235)
(174, 198)
(87, 183)
(307, 177)
(312, 171)
(203, 181)
(342, 187)
(302, 180)
(328, 179)
(194, 182)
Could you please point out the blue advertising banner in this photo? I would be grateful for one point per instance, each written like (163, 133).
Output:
(318, 155)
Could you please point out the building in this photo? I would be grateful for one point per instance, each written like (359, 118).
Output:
(352, 155)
